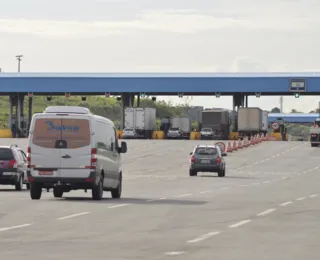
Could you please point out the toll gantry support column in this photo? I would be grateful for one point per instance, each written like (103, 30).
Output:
(238, 101)
(16, 123)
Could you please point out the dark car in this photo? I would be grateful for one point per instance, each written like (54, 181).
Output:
(13, 167)
(207, 158)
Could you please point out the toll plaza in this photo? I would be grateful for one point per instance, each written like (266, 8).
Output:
(128, 85)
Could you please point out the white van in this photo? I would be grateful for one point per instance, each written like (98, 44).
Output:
(70, 149)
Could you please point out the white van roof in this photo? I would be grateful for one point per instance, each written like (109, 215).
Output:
(67, 109)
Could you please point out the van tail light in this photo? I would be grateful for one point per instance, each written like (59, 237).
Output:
(192, 159)
(13, 164)
(29, 157)
(219, 159)
(93, 164)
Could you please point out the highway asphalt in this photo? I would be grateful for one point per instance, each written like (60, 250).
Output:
(267, 207)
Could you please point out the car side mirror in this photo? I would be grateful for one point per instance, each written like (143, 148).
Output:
(123, 148)
(191, 153)
(224, 154)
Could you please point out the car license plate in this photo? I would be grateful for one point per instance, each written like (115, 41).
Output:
(8, 173)
(45, 172)
(205, 161)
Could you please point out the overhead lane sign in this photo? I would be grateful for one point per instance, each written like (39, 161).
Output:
(298, 85)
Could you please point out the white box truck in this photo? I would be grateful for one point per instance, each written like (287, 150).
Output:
(142, 120)
(184, 126)
(252, 121)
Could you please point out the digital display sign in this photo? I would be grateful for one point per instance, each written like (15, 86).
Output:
(298, 85)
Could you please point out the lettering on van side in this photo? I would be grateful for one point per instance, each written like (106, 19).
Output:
(52, 127)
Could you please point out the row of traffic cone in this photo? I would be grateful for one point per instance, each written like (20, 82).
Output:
(245, 143)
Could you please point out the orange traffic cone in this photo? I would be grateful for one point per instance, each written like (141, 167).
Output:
(235, 148)
(229, 148)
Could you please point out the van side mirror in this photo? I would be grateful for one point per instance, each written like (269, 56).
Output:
(123, 148)
(224, 154)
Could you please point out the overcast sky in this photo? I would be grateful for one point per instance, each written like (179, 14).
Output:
(165, 36)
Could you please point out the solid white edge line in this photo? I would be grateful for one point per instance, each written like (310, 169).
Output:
(238, 224)
(14, 227)
(118, 206)
(268, 211)
(74, 215)
(286, 203)
(203, 237)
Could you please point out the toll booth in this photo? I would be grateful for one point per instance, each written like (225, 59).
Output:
(278, 126)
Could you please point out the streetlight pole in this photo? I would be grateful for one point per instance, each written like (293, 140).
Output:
(19, 58)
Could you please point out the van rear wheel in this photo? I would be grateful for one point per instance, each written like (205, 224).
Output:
(35, 191)
(116, 193)
(97, 190)
(57, 193)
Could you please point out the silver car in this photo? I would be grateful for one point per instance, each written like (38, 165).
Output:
(174, 133)
(129, 133)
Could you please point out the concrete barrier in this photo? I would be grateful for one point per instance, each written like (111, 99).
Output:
(195, 136)
(158, 135)
(234, 136)
(5, 133)
(119, 134)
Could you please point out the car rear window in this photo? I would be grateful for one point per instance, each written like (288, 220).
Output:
(76, 132)
(6, 154)
(206, 151)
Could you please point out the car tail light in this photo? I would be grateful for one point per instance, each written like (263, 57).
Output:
(29, 157)
(219, 159)
(192, 159)
(93, 159)
(12, 164)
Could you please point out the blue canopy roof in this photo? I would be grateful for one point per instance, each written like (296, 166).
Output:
(294, 117)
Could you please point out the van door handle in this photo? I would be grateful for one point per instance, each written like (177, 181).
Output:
(66, 156)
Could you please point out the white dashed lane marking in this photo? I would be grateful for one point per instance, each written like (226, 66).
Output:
(241, 223)
(14, 227)
(174, 253)
(118, 206)
(286, 203)
(74, 215)
(206, 191)
(183, 195)
(266, 212)
(203, 237)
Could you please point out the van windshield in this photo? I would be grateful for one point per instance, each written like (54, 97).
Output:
(74, 132)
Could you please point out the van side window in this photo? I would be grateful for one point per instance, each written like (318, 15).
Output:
(116, 138)
(111, 137)
(100, 132)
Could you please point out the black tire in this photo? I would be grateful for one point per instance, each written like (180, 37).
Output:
(222, 173)
(97, 190)
(35, 191)
(116, 193)
(192, 173)
(19, 184)
(57, 193)
(28, 186)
